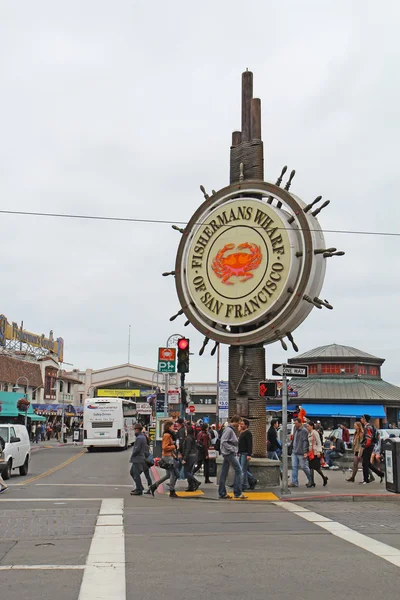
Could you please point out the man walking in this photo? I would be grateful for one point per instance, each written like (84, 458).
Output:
(300, 454)
(138, 460)
(273, 444)
(245, 452)
(368, 442)
(229, 449)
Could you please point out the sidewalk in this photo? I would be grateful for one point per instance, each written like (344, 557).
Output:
(338, 489)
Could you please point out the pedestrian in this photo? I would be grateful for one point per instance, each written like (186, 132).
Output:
(345, 435)
(367, 444)
(49, 432)
(180, 439)
(138, 459)
(357, 451)
(149, 461)
(168, 459)
(3, 486)
(203, 445)
(273, 444)
(38, 433)
(245, 454)
(189, 457)
(64, 431)
(336, 450)
(320, 430)
(377, 451)
(300, 453)
(33, 432)
(314, 453)
(229, 449)
(213, 434)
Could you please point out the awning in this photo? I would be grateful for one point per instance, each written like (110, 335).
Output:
(278, 408)
(354, 411)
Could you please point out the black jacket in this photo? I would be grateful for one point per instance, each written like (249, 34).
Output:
(140, 449)
(246, 443)
(181, 436)
(272, 438)
(189, 447)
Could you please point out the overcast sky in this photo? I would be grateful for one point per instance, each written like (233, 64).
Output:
(124, 108)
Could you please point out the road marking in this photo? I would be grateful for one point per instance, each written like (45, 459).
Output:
(53, 470)
(41, 567)
(116, 485)
(379, 549)
(104, 574)
(195, 494)
(5, 500)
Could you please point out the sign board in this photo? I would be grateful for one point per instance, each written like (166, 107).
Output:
(173, 397)
(14, 332)
(104, 393)
(291, 392)
(142, 408)
(290, 370)
(223, 395)
(166, 360)
(267, 389)
(192, 408)
(223, 414)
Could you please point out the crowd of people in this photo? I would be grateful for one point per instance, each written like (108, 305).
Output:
(185, 451)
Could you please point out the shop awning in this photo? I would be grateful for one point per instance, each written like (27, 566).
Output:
(278, 407)
(8, 406)
(354, 411)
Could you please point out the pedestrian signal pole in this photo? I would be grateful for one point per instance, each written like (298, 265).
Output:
(285, 466)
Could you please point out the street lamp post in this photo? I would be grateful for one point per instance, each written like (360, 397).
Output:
(16, 388)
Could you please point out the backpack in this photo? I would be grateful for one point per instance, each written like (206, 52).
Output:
(375, 438)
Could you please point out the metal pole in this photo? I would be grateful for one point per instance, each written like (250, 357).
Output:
(218, 373)
(166, 394)
(285, 470)
(62, 418)
(129, 346)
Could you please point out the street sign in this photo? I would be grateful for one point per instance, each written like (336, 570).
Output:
(143, 408)
(267, 389)
(223, 414)
(173, 397)
(166, 360)
(290, 370)
(192, 408)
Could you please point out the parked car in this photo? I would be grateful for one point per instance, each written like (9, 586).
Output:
(17, 450)
(386, 433)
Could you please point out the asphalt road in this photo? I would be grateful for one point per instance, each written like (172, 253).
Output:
(70, 530)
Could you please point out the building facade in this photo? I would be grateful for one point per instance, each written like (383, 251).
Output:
(343, 383)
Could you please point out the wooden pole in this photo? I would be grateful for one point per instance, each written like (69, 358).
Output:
(236, 138)
(256, 119)
(247, 96)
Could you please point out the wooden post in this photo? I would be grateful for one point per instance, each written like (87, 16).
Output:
(256, 119)
(236, 138)
(247, 96)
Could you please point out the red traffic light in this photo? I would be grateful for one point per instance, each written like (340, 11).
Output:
(183, 343)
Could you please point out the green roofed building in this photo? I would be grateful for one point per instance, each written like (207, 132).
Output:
(343, 383)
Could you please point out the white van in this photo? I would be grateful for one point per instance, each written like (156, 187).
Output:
(17, 450)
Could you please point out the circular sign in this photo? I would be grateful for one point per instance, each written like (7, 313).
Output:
(192, 408)
(246, 264)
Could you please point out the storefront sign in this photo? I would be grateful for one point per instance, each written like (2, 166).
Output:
(173, 397)
(166, 360)
(142, 408)
(104, 393)
(15, 332)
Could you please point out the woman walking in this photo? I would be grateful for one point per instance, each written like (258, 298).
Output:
(314, 454)
(169, 459)
(189, 457)
(358, 450)
(203, 445)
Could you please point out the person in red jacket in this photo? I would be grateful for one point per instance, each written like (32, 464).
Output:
(345, 434)
(203, 445)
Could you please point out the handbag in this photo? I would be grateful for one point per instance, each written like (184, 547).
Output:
(311, 454)
(149, 459)
(166, 462)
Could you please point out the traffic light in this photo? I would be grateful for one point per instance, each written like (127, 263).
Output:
(183, 355)
(267, 389)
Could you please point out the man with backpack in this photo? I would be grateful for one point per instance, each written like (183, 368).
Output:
(369, 440)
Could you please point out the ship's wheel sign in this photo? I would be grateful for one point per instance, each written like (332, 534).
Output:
(251, 264)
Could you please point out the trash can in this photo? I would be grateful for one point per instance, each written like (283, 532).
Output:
(391, 448)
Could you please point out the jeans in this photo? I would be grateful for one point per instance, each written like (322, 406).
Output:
(273, 455)
(330, 455)
(230, 461)
(247, 478)
(200, 463)
(146, 472)
(299, 460)
(172, 474)
(188, 468)
(136, 471)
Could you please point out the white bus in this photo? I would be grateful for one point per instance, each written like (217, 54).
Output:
(108, 423)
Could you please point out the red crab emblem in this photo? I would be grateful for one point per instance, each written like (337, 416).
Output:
(238, 264)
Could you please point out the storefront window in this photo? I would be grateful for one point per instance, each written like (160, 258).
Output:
(337, 369)
(313, 369)
(374, 371)
(362, 370)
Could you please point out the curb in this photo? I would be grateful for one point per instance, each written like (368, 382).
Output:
(345, 498)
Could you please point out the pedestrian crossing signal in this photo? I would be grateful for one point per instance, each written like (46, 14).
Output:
(183, 355)
(267, 389)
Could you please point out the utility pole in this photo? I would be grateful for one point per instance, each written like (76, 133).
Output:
(284, 487)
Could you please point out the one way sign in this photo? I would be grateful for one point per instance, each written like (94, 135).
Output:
(290, 370)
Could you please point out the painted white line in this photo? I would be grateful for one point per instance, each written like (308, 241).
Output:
(104, 574)
(117, 485)
(343, 532)
(41, 567)
(6, 499)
